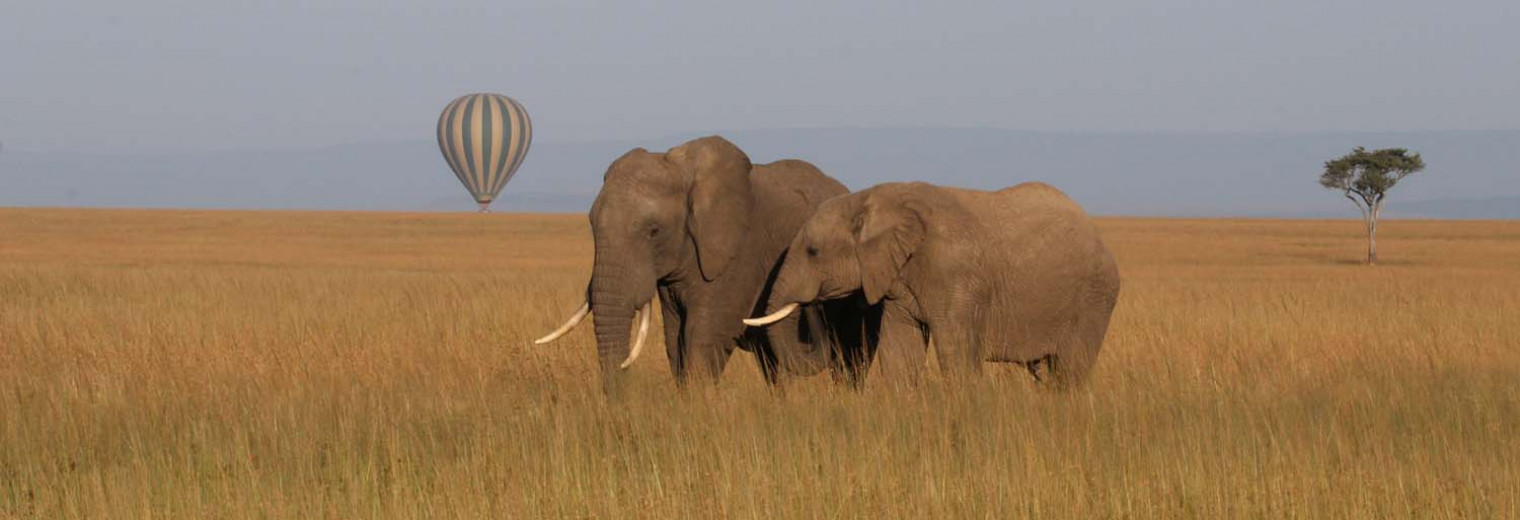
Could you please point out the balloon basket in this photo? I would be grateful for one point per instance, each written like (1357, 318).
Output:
(485, 207)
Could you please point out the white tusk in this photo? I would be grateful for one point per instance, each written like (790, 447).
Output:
(774, 317)
(579, 316)
(638, 344)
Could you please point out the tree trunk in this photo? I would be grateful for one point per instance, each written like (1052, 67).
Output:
(1372, 235)
(1372, 244)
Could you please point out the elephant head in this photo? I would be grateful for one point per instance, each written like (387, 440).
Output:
(658, 217)
(853, 244)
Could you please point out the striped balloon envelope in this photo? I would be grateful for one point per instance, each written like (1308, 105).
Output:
(484, 138)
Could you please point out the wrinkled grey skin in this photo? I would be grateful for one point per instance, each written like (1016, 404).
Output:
(1018, 275)
(703, 229)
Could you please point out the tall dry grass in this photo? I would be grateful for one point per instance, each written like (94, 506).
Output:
(309, 365)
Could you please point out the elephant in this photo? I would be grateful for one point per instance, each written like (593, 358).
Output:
(704, 229)
(1018, 275)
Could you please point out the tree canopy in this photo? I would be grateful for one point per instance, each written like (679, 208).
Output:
(1370, 174)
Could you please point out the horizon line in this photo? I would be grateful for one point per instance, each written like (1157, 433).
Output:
(8, 149)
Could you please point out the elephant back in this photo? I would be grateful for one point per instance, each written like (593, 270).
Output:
(798, 177)
(1039, 194)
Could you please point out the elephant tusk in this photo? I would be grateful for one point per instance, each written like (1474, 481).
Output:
(638, 344)
(574, 320)
(774, 317)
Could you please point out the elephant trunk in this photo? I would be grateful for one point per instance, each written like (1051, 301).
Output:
(792, 288)
(801, 337)
(617, 290)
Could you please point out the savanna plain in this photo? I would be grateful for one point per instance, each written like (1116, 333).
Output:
(180, 364)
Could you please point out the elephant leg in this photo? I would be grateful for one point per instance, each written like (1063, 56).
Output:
(957, 347)
(901, 346)
(1070, 366)
(1069, 370)
(955, 327)
(706, 348)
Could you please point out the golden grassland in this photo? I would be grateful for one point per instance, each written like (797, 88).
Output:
(158, 364)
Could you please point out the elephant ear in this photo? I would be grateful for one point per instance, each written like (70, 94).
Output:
(887, 232)
(720, 199)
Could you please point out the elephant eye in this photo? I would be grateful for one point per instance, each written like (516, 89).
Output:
(812, 251)
(653, 230)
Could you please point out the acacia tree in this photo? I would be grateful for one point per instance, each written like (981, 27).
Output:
(1365, 177)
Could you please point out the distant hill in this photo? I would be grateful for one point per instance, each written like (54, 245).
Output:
(1505, 208)
(1471, 175)
(405, 176)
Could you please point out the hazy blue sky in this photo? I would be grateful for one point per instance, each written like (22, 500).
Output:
(155, 75)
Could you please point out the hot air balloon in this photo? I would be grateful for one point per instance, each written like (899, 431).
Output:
(484, 138)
